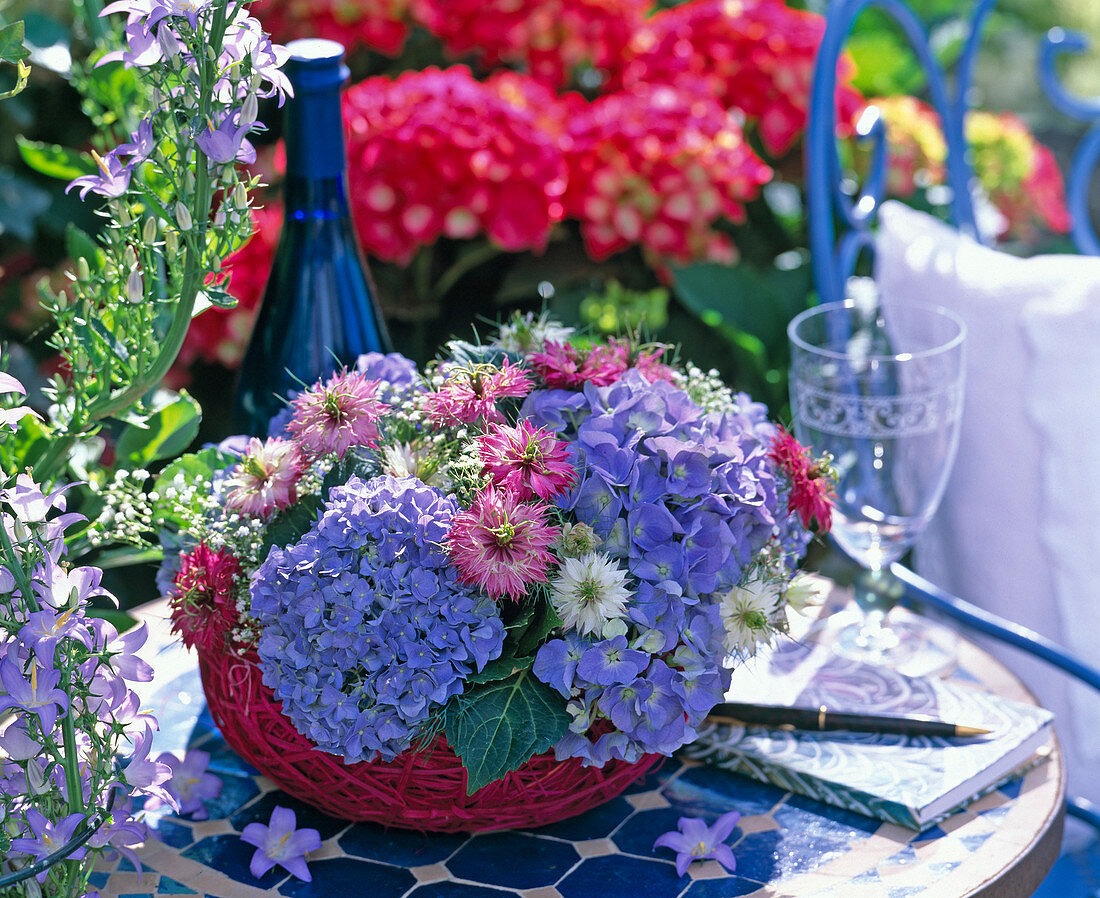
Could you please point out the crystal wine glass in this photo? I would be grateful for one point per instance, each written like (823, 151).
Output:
(879, 387)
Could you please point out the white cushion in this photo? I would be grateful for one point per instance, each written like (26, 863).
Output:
(1018, 531)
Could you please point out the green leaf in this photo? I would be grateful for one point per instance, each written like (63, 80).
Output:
(498, 669)
(544, 620)
(79, 245)
(496, 727)
(53, 160)
(165, 434)
(11, 43)
(289, 525)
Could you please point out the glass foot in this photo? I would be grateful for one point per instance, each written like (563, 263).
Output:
(909, 646)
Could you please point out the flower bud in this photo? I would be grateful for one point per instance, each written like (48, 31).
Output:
(183, 216)
(135, 287)
(129, 257)
(219, 218)
(169, 45)
(123, 215)
(250, 110)
(83, 272)
(240, 195)
(149, 230)
(171, 242)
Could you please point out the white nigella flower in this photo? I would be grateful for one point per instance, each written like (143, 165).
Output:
(402, 460)
(804, 591)
(589, 591)
(526, 333)
(745, 611)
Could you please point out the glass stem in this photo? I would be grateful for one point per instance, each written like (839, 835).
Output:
(871, 592)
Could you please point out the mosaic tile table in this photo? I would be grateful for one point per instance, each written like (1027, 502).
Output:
(785, 845)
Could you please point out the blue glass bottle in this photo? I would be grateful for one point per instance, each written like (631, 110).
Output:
(319, 309)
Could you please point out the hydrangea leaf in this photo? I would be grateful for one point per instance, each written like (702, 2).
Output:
(496, 727)
(292, 523)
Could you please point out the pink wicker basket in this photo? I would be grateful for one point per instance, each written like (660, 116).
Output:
(419, 790)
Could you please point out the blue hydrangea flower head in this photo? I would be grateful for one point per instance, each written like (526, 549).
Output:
(366, 629)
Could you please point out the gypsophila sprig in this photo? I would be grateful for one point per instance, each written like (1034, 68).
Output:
(176, 204)
(70, 713)
(552, 526)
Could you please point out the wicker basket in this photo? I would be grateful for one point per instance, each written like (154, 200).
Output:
(422, 791)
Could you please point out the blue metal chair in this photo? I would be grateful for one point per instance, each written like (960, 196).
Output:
(842, 229)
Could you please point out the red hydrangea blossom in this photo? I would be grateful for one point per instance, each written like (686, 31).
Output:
(551, 39)
(658, 166)
(436, 153)
(502, 545)
(756, 56)
(526, 461)
(204, 610)
(811, 486)
(379, 24)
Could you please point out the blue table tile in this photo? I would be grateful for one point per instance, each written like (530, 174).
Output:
(973, 843)
(619, 876)
(99, 880)
(171, 887)
(492, 859)
(236, 791)
(229, 855)
(802, 813)
(305, 816)
(597, 823)
(638, 834)
(396, 846)
(702, 791)
(655, 778)
(457, 890)
(1012, 787)
(730, 887)
(173, 834)
(350, 877)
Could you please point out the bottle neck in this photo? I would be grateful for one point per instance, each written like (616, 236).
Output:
(316, 197)
(315, 136)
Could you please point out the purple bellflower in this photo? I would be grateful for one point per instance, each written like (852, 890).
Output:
(48, 837)
(38, 696)
(696, 841)
(191, 782)
(280, 843)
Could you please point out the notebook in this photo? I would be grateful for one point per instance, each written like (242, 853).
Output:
(913, 781)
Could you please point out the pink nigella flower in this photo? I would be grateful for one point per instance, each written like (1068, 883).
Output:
(341, 414)
(526, 460)
(502, 545)
(471, 394)
(566, 367)
(267, 477)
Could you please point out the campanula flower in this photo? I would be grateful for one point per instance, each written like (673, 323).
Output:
(696, 841)
(279, 842)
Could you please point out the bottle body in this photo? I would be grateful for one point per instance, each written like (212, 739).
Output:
(319, 310)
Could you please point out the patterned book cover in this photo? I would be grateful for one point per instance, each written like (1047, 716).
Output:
(912, 781)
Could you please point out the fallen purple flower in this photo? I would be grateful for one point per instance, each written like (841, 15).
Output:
(280, 843)
(191, 782)
(696, 841)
